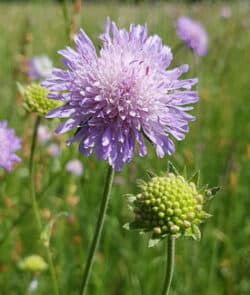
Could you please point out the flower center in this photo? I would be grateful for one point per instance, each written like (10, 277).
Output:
(121, 99)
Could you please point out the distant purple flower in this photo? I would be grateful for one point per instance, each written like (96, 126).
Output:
(193, 34)
(74, 167)
(40, 67)
(226, 12)
(9, 143)
(43, 134)
(54, 150)
(121, 96)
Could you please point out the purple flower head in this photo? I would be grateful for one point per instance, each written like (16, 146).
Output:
(193, 34)
(121, 96)
(9, 143)
(40, 67)
(74, 167)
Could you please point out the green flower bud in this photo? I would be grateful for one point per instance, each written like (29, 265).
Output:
(157, 230)
(35, 100)
(171, 205)
(33, 263)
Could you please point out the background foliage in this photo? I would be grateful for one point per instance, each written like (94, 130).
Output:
(218, 144)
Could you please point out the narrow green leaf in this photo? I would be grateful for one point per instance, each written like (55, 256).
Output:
(206, 215)
(20, 88)
(184, 172)
(141, 183)
(131, 198)
(150, 174)
(195, 178)
(210, 193)
(214, 190)
(133, 226)
(172, 168)
(196, 232)
(46, 233)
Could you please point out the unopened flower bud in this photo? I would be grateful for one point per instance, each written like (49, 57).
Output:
(169, 205)
(33, 263)
(35, 100)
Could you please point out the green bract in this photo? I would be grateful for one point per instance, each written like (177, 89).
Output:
(35, 100)
(168, 205)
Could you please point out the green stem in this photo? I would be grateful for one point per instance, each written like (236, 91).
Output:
(31, 174)
(98, 230)
(27, 208)
(66, 17)
(35, 203)
(170, 265)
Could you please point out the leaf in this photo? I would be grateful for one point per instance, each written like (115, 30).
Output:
(141, 183)
(172, 168)
(195, 178)
(131, 198)
(20, 88)
(150, 174)
(188, 232)
(46, 233)
(184, 172)
(176, 236)
(210, 193)
(126, 226)
(214, 190)
(196, 232)
(153, 242)
(203, 189)
(206, 215)
(131, 208)
(133, 226)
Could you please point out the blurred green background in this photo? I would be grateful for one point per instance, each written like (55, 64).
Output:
(218, 144)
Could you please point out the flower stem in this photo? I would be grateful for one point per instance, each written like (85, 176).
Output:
(98, 230)
(35, 203)
(66, 17)
(170, 265)
(31, 173)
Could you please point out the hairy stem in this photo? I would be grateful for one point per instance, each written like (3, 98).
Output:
(35, 203)
(170, 265)
(98, 231)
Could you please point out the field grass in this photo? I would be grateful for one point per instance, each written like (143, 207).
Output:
(218, 144)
